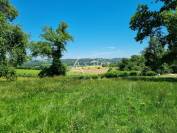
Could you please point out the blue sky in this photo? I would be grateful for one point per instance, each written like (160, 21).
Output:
(100, 27)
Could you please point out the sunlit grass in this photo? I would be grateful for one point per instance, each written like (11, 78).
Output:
(63, 104)
(27, 73)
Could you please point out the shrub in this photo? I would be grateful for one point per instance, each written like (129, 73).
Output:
(111, 74)
(123, 74)
(145, 70)
(174, 68)
(150, 73)
(134, 73)
(115, 74)
(7, 72)
(165, 68)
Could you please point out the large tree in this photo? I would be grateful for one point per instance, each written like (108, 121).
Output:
(53, 45)
(13, 40)
(161, 23)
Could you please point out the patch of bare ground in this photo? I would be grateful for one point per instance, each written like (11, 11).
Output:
(90, 70)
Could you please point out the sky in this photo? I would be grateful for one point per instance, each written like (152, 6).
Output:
(100, 27)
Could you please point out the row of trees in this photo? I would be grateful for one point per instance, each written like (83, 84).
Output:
(14, 44)
(152, 59)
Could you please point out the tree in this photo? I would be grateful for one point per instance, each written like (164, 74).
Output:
(135, 63)
(154, 54)
(161, 23)
(53, 46)
(13, 40)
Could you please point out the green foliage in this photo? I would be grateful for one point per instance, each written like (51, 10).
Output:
(70, 105)
(53, 47)
(135, 63)
(145, 70)
(8, 11)
(150, 73)
(7, 72)
(134, 73)
(42, 48)
(149, 23)
(165, 68)
(154, 54)
(53, 70)
(116, 73)
(174, 68)
(13, 40)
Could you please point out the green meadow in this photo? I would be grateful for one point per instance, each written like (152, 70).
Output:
(99, 84)
(63, 104)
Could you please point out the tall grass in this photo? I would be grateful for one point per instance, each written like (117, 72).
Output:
(72, 105)
(27, 72)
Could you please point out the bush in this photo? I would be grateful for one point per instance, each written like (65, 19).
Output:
(165, 68)
(111, 74)
(150, 73)
(134, 73)
(123, 74)
(145, 70)
(174, 68)
(7, 72)
(115, 74)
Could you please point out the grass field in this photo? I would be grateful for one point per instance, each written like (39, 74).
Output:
(27, 73)
(96, 106)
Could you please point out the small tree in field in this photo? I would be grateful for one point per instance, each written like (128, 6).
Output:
(53, 46)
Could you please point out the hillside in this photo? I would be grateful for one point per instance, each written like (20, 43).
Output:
(70, 62)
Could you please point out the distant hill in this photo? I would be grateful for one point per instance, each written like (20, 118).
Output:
(39, 64)
(89, 61)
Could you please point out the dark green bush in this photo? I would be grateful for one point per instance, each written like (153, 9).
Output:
(111, 74)
(134, 73)
(123, 74)
(174, 68)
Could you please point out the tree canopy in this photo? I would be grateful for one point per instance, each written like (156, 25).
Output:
(161, 23)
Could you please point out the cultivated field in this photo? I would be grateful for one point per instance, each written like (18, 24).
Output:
(88, 70)
(64, 104)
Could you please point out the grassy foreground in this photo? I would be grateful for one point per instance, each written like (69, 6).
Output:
(95, 106)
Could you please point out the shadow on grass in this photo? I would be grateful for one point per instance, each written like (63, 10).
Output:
(154, 79)
(132, 78)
